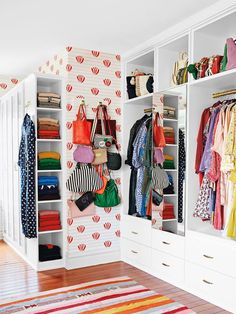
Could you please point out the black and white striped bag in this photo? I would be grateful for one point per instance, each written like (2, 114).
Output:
(84, 178)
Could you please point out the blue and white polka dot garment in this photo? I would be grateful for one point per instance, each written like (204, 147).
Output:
(27, 166)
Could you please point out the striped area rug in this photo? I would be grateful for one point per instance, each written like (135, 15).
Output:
(116, 295)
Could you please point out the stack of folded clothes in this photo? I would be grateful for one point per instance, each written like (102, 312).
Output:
(168, 211)
(169, 134)
(48, 188)
(49, 252)
(49, 100)
(168, 162)
(170, 188)
(49, 161)
(48, 128)
(49, 220)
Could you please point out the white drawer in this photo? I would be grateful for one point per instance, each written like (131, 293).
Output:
(211, 286)
(136, 229)
(167, 267)
(168, 242)
(136, 253)
(217, 255)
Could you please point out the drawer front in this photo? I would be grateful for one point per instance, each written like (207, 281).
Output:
(167, 267)
(168, 243)
(212, 286)
(136, 253)
(212, 254)
(136, 229)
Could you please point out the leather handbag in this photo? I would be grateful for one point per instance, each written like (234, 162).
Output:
(75, 212)
(180, 72)
(231, 54)
(81, 128)
(84, 178)
(83, 154)
(104, 180)
(110, 197)
(100, 156)
(157, 198)
(114, 160)
(158, 132)
(85, 200)
(143, 84)
(101, 140)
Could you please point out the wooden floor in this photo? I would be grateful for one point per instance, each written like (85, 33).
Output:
(19, 279)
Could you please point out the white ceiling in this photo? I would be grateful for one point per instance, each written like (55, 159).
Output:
(32, 31)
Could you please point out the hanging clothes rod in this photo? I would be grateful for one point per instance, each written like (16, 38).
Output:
(224, 93)
(147, 110)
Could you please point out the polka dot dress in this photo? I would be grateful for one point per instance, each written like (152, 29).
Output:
(27, 166)
(182, 161)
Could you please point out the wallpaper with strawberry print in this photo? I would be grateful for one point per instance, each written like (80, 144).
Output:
(93, 76)
(6, 83)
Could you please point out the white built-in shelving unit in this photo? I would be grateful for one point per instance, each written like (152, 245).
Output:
(197, 257)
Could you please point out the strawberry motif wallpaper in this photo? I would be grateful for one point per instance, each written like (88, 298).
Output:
(93, 76)
(6, 83)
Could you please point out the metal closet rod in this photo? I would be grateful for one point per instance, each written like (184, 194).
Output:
(224, 93)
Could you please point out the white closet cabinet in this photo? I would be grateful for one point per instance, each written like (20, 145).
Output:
(201, 260)
(14, 105)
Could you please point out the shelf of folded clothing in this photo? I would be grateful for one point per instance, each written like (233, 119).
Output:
(48, 109)
(45, 171)
(140, 99)
(50, 231)
(50, 201)
(224, 79)
(49, 140)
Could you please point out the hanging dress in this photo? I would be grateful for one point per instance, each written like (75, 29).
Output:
(26, 163)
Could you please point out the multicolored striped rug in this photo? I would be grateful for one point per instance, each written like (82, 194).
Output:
(116, 295)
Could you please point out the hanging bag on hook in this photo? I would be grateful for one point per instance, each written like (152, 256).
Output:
(158, 132)
(81, 127)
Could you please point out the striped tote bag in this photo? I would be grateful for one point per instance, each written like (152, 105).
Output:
(84, 178)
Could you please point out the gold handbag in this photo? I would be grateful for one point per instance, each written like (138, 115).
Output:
(100, 156)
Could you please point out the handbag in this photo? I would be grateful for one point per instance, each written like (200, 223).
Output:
(104, 180)
(81, 128)
(130, 83)
(157, 198)
(158, 155)
(100, 156)
(180, 72)
(110, 197)
(213, 65)
(160, 178)
(85, 200)
(143, 84)
(114, 160)
(84, 178)
(75, 212)
(158, 132)
(83, 154)
(101, 140)
(231, 54)
(182, 76)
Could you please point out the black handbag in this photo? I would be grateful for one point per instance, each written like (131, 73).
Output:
(157, 198)
(114, 160)
(85, 200)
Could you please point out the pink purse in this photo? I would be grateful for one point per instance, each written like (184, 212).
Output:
(74, 211)
(83, 154)
(231, 54)
(158, 156)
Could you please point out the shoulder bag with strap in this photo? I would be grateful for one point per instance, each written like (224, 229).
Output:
(82, 127)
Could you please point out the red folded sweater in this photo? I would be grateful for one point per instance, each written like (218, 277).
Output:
(49, 223)
(57, 227)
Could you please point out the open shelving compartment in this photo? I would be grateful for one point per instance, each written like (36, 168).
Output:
(168, 54)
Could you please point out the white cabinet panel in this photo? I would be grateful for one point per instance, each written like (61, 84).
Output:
(136, 253)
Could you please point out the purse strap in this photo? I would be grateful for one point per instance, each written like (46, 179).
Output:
(81, 115)
(101, 112)
(157, 119)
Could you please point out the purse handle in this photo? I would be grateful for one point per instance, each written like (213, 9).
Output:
(157, 120)
(101, 113)
(81, 115)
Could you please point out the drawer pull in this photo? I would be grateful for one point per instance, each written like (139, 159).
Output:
(166, 243)
(207, 282)
(134, 232)
(166, 265)
(135, 252)
(208, 256)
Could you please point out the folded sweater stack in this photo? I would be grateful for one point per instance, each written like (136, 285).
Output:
(49, 220)
(168, 211)
(49, 252)
(168, 162)
(169, 134)
(49, 161)
(49, 100)
(48, 128)
(48, 188)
